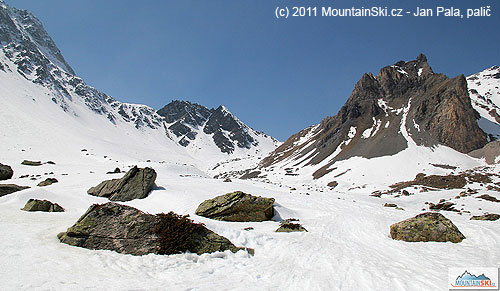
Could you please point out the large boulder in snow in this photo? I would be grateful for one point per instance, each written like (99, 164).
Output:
(42, 205)
(237, 206)
(10, 188)
(124, 229)
(5, 172)
(136, 184)
(429, 226)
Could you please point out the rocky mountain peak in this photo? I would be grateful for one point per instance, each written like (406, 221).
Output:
(185, 111)
(187, 121)
(406, 104)
(22, 27)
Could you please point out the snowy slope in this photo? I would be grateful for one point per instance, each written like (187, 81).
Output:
(348, 246)
(484, 89)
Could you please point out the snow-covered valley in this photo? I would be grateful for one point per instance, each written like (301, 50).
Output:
(347, 245)
(79, 134)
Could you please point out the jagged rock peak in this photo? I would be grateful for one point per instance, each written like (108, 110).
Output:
(22, 27)
(187, 120)
(406, 104)
(191, 113)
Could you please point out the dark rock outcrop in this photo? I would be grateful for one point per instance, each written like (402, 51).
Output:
(237, 206)
(6, 172)
(434, 181)
(136, 184)
(426, 227)
(47, 182)
(445, 206)
(31, 163)
(115, 171)
(42, 205)
(124, 229)
(490, 216)
(6, 189)
(186, 120)
(290, 225)
(488, 198)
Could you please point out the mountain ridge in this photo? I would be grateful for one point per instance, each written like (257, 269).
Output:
(187, 120)
(407, 105)
(27, 50)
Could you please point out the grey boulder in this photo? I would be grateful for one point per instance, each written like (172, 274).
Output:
(5, 172)
(42, 205)
(136, 184)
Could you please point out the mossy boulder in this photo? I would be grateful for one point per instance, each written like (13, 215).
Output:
(42, 205)
(237, 206)
(6, 189)
(124, 229)
(47, 182)
(429, 226)
(5, 172)
(136, 184)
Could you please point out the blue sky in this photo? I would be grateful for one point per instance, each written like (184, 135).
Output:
(276, 75)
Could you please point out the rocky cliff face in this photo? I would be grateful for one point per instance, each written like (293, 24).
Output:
(188, 121)
(27, 49)
(405, 104)
(484, 91)
(20, 26)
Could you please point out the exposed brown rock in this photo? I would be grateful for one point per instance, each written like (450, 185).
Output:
(440, 107)
(488, 198)
(446, 206)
